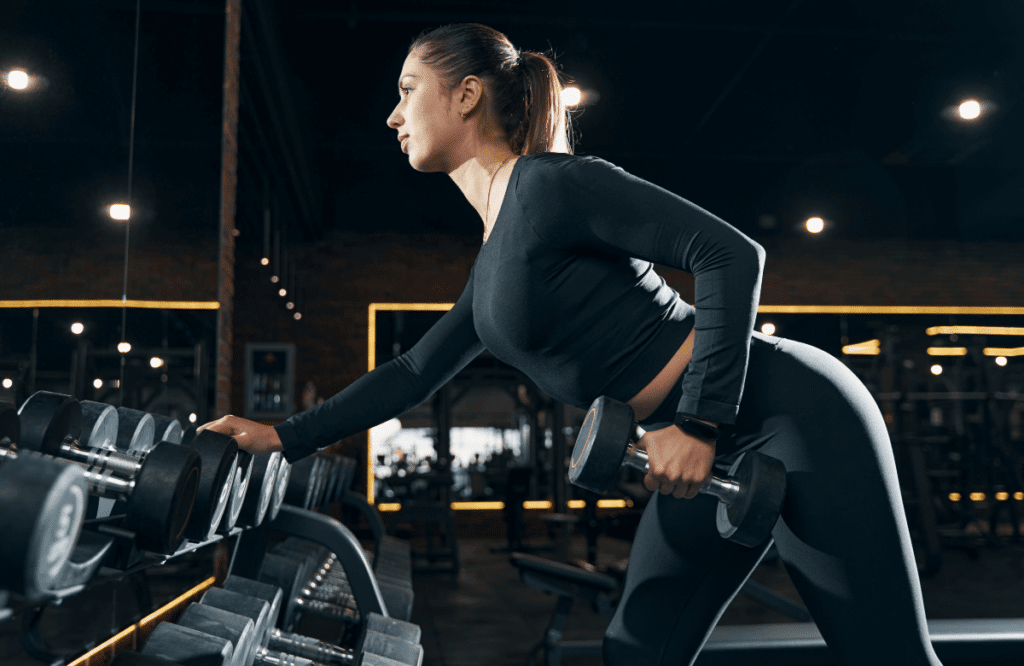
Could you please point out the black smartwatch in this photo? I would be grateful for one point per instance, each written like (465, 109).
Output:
(697, 428)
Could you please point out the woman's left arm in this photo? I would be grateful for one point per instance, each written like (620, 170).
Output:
(596, 204)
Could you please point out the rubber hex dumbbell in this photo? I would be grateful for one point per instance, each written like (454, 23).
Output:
(159, 488)
(42, 505)
(305, 571)
(279, 640)
(304, 476)
(237, 482)
(291, 575)
(245, 622)
(262, 603)
(750, 497)
(131, 430)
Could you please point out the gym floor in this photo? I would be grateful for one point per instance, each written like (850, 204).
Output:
(486, 615)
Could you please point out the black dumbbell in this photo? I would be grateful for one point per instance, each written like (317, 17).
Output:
(239, 481)
(279, 640)
(246, 622)
(136, 432)
(291, 576)
(159, 488)
(42, 505)
(304, 477)
(750, 497)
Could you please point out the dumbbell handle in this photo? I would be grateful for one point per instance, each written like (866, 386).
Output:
(100, 482)
(309, 648)
(265, 657)
(726, 490)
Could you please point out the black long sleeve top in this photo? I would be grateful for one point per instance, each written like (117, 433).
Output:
(565, 291)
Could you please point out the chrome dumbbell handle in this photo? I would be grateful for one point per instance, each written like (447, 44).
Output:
(310, 648)
(265, 657)
(99, 480)
(327, 609)
(726, 490)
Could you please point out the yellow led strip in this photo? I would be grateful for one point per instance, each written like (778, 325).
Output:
(947, 351)
(127, 640)
(975, 330)
(114, 303)
(1003, 351)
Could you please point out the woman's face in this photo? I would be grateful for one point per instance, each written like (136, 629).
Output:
(427, 119)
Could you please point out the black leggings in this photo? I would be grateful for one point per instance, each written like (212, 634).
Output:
(843, 533)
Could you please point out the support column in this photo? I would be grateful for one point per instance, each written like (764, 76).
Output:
(228, 191)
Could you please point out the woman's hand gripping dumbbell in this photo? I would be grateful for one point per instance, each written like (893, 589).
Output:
(750, 497)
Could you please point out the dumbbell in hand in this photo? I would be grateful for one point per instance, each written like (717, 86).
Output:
(750, 497)
(159, 488)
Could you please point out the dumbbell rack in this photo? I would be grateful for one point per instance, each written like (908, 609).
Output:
(107, 552)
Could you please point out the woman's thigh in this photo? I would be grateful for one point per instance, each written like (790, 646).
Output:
(843, 532)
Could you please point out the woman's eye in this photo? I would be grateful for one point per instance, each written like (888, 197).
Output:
(405, 90)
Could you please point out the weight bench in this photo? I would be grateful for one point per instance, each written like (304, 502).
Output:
(987, 642)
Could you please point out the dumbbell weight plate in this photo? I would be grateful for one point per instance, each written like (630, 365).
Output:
(99, 425)
(168, 429)
(238, 491)
(137, 431)
(287, 574)
(238, 629)
(598, 453)
(187, 647)
(749, 520)
(46, 420)
(42, 504)
(284, 475)
(302, 481)
(219, 454)
(271, 594)
(165, 491)
(261, 489)
(139, 659)
(255, 609)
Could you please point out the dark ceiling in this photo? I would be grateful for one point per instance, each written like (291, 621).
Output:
(757, 110)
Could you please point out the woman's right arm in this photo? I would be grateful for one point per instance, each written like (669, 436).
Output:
(391, 389)
(387, 391)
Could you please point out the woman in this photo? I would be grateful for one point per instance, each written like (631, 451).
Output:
(566, 293)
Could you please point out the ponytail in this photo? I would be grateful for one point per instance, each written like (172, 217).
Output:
(525, 86)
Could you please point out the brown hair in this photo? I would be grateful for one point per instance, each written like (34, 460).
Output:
(527, 97)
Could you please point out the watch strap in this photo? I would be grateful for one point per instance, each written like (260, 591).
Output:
(697, 428)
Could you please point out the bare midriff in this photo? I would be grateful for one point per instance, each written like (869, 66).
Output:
(651, 396)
